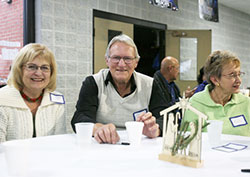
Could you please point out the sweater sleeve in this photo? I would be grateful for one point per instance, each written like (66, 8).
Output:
(61, 120)
(3, 125)
(87, 103)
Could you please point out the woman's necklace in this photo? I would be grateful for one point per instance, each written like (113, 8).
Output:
(31, 99)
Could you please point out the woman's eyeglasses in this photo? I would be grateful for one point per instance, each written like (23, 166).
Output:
(34, 67)
(234, 75)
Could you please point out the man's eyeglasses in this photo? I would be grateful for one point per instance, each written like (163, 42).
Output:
(116, 59)
(234, 75)
(34, 67)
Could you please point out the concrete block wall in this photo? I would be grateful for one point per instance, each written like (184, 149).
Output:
(66, 27)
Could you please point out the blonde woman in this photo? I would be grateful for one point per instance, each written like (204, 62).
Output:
(29, 106)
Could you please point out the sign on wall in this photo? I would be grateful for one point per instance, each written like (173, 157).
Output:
(208, 10)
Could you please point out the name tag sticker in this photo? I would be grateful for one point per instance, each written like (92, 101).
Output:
(236, 146)
(231, 147)
(238, 121)
(57, 98)
(224, 149)
(137, 113)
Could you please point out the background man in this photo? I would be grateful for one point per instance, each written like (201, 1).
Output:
(165, 78)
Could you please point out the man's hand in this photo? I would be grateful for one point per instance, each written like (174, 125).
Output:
(189, 92)
(106, 133)
(151, 128)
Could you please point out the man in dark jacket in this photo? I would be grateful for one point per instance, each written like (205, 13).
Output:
(165, 78)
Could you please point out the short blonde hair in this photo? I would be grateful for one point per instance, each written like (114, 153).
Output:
(215, 63)
(27, 54)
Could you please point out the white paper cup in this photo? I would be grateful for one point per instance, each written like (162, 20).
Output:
(245, 92)
(214, 130)
(134, 130)
(84, 133)
(17, 157)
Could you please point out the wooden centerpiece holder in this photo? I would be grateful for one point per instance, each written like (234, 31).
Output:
(182, 145)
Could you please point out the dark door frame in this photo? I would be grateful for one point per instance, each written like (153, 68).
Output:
(121, 18)
(28, 21)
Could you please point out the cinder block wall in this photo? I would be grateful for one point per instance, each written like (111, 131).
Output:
(66, 27)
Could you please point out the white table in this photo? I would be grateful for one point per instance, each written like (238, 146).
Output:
(59, 156)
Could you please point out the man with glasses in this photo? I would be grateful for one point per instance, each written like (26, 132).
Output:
(119, 94)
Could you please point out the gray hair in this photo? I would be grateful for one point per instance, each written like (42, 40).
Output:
(215, 63)
(125, 39)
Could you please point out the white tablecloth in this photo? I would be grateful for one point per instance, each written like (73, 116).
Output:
(59, 156)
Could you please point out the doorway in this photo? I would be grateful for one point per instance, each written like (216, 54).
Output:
(105, 30)
(151, 46)
(149, 38)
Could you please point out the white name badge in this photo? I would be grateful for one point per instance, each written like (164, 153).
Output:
(238, 121)
(57, 98)
(137, 113)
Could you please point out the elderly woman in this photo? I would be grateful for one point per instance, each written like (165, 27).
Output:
(221, 99)
(29, 107)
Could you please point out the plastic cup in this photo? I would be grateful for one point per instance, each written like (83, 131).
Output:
(17, 157)
(134, 130)
(214, 130)
(245, 92)
(84, 133)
